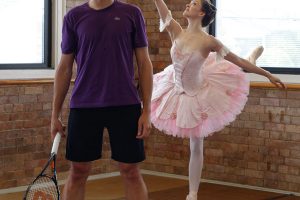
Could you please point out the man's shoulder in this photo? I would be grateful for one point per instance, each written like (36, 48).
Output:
(128, 6)
(77, 10)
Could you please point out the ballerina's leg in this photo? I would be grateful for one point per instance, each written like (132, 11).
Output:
(255, 54)
(195, 166)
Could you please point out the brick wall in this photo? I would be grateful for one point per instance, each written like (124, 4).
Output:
(25, 113)
(261, 148)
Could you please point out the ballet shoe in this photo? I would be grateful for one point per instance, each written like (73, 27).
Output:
(255, 54)
(191, 197)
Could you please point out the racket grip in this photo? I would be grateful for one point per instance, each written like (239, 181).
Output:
(56, 143)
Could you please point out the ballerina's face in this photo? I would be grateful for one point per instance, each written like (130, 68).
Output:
(193, 9)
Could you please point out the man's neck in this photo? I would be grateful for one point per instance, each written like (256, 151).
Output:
(100, 4)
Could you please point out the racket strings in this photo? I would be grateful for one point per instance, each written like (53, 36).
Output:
(43, 188)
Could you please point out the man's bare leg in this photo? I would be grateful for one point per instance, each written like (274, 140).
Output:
(74, 188)
(135, 187)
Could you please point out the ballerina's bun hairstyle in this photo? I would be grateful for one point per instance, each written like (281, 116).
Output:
(210, 12)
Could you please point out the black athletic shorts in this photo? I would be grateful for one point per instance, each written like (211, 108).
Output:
(85, 133)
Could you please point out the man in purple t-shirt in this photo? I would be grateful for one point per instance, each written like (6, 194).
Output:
(101, 36)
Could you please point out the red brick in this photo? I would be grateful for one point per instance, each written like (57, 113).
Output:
(294, 170)
(274, 127)
(28, 98)
(275, 110)
(253, 101)
(293, 179)
(295, 120)
(285, 152)
(11, 91)
(18, 107)
(283, 169)
(254, 109)
(257, 93)
(276, 93)
(269, 102)
(1, 91)
(292, 128)
(283, 185)
(214, 152)
(253, 117)
(271, 176)
(254, 173)
(34, 90)
(252, 165)
(293, 112)
(293, 94)
(290, 103)
(264, 134)
(254, 124)
(255, 181)
(294, 187)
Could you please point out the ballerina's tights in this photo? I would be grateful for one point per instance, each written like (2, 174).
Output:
(196, 163)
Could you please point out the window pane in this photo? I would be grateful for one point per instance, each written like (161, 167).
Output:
(22, 31)
(275, 24)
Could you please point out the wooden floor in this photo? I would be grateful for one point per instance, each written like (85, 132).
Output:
(161, 188)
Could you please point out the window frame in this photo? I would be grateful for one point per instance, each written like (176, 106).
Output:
(275, 70)
(47, 44)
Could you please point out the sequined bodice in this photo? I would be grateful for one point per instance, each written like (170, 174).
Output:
(187, 66)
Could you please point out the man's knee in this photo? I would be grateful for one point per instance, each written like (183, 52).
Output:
(80, 171)
(129, 171)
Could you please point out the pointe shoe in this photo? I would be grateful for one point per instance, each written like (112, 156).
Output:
(191, 197)
(255, 54)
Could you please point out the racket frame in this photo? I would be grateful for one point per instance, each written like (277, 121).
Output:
(52, 163)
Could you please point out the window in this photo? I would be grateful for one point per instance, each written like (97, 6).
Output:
(25, 34)
(275, 24)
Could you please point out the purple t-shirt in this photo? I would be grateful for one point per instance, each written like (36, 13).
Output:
(103, 42)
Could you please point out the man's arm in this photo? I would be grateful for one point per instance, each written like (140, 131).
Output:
(146, 82)
(62, 81)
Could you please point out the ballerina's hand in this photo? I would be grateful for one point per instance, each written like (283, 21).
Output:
(276, 81)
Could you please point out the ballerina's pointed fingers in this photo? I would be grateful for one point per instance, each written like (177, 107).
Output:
(282, 85)
(277, 82)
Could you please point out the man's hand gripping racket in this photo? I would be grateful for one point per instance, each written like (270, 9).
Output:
(44, 186)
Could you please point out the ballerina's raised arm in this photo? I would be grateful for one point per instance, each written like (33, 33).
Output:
(166, 20)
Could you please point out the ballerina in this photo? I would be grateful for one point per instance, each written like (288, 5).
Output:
(204, 88)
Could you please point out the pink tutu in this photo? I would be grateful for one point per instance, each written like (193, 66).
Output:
(197, 109)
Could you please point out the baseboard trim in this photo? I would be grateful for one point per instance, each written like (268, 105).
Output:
(220, 183)
(60, 182)
(161, 174)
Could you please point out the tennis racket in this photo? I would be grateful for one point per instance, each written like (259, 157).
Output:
(44, 186)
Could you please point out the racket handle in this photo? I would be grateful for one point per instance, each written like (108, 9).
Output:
(56, 143)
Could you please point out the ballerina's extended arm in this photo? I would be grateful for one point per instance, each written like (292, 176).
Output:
(166, 20)
(248, 66)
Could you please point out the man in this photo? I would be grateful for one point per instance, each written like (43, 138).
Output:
(101, 36)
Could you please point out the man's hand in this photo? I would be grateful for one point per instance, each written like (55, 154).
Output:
(57, 127)
(144, 126)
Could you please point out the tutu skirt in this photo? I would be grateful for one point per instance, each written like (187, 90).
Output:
(219, 100)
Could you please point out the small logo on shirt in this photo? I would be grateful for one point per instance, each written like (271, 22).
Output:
(117, 18)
